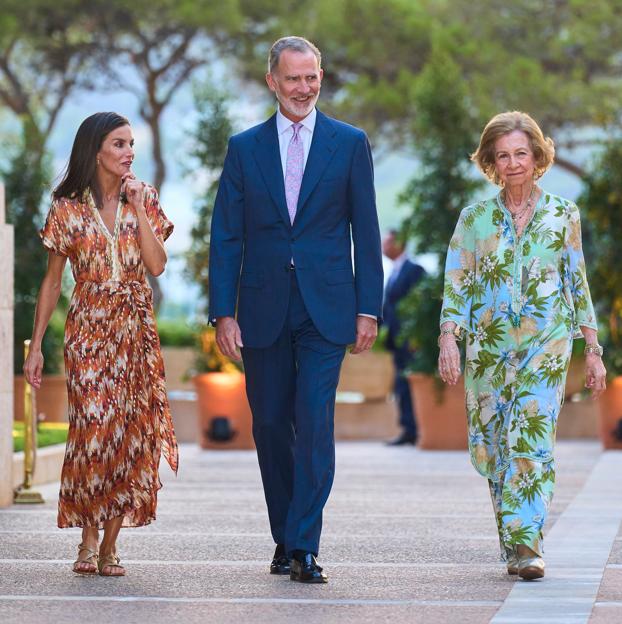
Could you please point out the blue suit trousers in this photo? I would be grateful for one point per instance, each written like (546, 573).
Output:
(291, 388)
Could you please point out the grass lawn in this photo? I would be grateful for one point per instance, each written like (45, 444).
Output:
(47, 434)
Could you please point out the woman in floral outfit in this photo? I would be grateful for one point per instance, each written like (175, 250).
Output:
(516, 288)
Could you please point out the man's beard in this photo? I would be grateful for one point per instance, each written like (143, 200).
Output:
(298, 109)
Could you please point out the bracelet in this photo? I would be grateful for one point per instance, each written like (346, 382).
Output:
(593, 348)
(455, 332)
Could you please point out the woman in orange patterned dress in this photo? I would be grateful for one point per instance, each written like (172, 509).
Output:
(112, 229)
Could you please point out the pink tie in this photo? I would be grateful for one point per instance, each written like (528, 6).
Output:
(293, 171)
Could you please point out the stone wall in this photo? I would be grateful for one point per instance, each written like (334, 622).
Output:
(6, 356)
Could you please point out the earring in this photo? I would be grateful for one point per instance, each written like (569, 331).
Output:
(98, 162)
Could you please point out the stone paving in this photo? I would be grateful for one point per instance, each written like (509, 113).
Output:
(408, 537)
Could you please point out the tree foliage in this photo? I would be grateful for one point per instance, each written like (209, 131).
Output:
(214, 127)
(558, 60)
(46, 51)
(445, 133)
(444, 185)
(26, 176)
(155, 46)
(600, 204)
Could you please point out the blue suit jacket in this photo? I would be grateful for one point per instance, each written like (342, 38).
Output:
(253, 242)
(409, 274)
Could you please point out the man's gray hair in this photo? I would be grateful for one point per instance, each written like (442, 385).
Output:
(298, 44)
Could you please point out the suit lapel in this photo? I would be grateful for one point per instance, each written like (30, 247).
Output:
(268, 158)
(323, 147)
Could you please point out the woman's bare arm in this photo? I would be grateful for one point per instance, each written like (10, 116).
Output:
(46, 303)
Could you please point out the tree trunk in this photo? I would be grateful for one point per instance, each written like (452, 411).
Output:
(153, 119)
(156, 148)
(570, 167)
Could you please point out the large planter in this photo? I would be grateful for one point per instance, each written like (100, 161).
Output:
(579, 419)
(610, 404)
(575, 378)
(370, 374)
(440, 413)
(177, 362)
(51, 398)
(225, 420)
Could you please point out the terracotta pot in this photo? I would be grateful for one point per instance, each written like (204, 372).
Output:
(575, 379)
(223, 411)
(51, 398)
(610, 404)
(440, 413)
(177, 361)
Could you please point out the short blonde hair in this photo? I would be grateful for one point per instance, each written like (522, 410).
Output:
(542, 147)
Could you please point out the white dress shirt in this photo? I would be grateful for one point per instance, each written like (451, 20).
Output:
(286, 131)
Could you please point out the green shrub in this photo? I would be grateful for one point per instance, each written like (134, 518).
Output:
(443, 185)
(176, 333)
(47, 435)
(602, 223)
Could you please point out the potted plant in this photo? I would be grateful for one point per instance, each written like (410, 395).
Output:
(445, 134)
(602, 224)
(224, 414)
(225, 419)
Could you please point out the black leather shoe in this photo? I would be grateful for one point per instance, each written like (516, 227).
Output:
(306, 570)
(403, 438)
(280, 561)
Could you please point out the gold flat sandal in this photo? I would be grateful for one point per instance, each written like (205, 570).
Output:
(110, 561)
(91, 559)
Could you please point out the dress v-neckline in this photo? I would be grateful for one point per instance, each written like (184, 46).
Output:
(110, 235)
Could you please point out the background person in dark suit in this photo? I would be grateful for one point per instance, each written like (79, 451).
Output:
(295, 205)
(403, 277)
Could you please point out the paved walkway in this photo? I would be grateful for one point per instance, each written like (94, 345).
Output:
(408, 537)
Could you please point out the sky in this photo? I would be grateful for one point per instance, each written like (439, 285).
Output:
(252, 104)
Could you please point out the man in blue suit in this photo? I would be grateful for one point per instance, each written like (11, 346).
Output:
(295, 206)
(404, 276)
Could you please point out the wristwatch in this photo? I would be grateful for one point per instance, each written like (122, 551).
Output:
(456, 332)
(593, 348)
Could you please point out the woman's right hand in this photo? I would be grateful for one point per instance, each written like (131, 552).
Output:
(33, 368)
(449, 360)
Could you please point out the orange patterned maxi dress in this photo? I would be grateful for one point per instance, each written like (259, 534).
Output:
(119, 417)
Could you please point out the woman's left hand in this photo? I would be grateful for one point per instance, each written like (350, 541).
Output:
(595, 374)
(133, 190)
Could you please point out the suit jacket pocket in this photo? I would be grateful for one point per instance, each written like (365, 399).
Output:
(251, 280)
(339, 276)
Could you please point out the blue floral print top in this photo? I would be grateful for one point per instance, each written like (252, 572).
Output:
(519, 301)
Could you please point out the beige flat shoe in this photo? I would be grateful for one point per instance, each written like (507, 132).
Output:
(531, 568)
(86, 555)
(110, 561)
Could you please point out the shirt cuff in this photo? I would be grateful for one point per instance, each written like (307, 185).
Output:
(371, 316)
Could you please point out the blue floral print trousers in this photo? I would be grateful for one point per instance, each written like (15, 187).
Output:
(521, 500)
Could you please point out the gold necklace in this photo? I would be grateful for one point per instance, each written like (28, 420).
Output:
(521, 211)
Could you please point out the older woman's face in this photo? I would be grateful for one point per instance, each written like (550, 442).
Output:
(514, 160)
